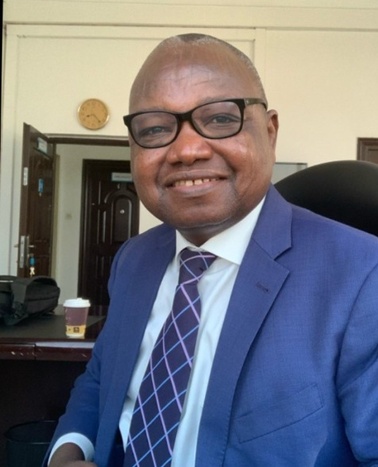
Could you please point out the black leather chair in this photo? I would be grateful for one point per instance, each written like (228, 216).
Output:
(346, 191)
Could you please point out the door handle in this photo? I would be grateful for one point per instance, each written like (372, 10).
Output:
(21, 252)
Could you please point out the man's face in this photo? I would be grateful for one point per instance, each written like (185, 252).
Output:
(202, 186)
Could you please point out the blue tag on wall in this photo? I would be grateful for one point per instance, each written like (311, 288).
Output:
(41, 184)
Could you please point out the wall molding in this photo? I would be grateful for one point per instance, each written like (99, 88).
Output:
(170, 13)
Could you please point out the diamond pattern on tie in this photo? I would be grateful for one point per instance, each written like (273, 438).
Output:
(162, 393)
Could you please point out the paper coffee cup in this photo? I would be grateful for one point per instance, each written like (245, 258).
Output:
(76, 314)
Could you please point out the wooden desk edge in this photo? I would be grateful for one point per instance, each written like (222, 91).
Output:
(58, 349)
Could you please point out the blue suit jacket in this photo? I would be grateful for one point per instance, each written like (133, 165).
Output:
(295, 377)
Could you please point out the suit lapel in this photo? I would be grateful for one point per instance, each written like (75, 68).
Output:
(259, 281)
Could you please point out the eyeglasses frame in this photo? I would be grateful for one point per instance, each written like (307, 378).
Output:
(182, 117)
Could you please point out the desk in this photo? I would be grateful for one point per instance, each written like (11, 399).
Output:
(43, 338)
(38, 366)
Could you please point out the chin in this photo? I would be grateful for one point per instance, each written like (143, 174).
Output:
(204, 228)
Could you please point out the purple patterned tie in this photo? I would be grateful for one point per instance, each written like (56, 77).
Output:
(161, 396)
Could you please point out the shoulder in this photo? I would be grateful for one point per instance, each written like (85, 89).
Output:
(306, 237)
(330, 252)
(308, 227)
(314, 228)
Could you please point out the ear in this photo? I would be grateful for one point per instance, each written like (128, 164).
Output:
(272, 127)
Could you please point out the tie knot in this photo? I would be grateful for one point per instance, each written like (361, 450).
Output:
(193, 264)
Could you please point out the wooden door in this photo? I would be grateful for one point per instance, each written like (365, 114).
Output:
(110, 216)
(37, 204)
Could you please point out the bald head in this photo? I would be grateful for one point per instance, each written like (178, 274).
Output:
(188, 48)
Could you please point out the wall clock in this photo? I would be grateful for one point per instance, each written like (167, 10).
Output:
(93, 114)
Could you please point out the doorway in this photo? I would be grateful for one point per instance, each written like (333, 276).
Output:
(73, 150)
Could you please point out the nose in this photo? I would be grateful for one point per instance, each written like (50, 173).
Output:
(189, 146)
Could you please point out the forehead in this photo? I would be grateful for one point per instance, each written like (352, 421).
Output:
(190, 74)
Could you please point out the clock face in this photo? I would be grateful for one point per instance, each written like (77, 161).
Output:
(93, 114)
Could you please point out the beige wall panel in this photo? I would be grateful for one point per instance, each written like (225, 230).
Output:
(324, 85)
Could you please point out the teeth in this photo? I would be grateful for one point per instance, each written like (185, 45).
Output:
(197, 181)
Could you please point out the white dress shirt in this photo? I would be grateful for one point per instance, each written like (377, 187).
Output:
(215, 289)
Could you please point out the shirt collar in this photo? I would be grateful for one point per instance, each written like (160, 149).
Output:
(230, 244)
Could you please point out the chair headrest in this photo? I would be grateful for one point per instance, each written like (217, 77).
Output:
(346, 191)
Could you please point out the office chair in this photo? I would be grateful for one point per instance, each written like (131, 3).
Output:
(346, 191)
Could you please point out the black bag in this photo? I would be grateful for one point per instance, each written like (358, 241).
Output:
(30, 296)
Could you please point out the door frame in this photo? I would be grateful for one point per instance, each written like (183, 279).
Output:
(366, 147)
(60, 139)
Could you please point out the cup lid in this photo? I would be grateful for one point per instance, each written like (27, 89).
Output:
(77, 303)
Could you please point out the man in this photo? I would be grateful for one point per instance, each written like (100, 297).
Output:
(286, 363)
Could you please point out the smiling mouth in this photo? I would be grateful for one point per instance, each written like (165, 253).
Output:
(197, 181)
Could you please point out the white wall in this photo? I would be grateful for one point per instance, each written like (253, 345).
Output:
(317, 59)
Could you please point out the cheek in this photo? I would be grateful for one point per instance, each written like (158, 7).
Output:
(256, 150)
(253, 164)
(142, 165)
(245, 158)
(145, 172)
(139, 171)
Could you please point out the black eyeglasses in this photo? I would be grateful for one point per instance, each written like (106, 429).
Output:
(214, 120)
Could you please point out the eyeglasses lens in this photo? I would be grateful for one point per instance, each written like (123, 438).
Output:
(217, 120)
(154, 129)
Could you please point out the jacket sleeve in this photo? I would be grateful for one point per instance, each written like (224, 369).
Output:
(358, 374)
(82, 411)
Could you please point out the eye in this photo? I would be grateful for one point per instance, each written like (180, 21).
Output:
(154, 125)
(153, 131)
(220, 123)
(222, 119)
(218, 118)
